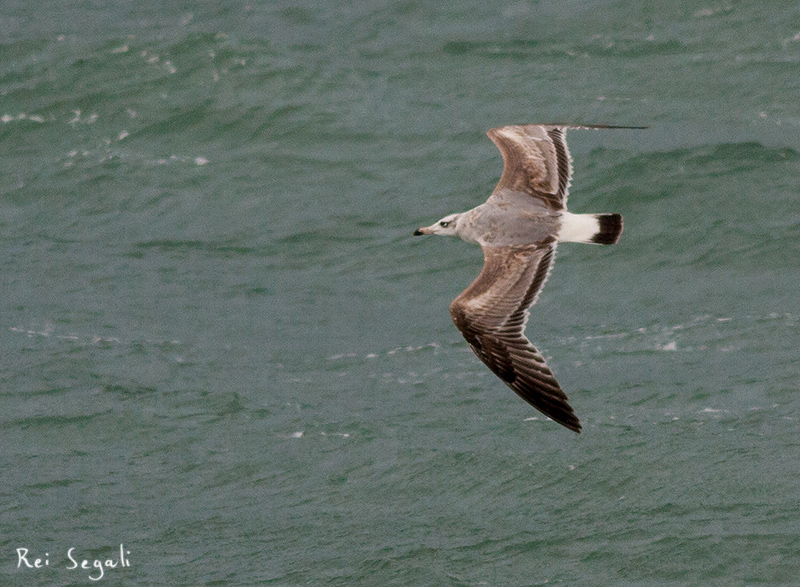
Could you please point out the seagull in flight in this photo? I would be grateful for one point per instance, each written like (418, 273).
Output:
(518, 229)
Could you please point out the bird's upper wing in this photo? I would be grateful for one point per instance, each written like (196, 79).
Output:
(492, 313)
(536, 162)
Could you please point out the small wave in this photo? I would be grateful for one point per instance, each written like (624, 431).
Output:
(7, 118)
(407, 349)
(301, 434)
(705, 332)
(48, 331)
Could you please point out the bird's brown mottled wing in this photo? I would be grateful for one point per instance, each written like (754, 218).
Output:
(536, 161)
(492, 313)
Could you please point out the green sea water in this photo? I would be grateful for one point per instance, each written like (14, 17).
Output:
(222, 348)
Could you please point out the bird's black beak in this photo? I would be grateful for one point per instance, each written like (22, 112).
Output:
(418, 232)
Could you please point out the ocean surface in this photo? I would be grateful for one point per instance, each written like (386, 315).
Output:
(223, 353)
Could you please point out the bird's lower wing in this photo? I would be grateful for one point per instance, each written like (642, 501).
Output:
(491, 315)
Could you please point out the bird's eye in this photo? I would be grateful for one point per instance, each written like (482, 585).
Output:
(444, 224)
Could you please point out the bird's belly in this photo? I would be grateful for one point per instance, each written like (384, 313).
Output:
(516, 229)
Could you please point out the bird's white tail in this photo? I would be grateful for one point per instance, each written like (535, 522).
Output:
(596, 229)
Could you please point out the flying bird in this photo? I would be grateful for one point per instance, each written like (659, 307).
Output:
(518, 229)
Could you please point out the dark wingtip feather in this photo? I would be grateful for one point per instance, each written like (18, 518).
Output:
(570, 421)
(610, 229)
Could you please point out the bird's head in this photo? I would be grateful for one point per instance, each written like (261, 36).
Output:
(447, 226)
